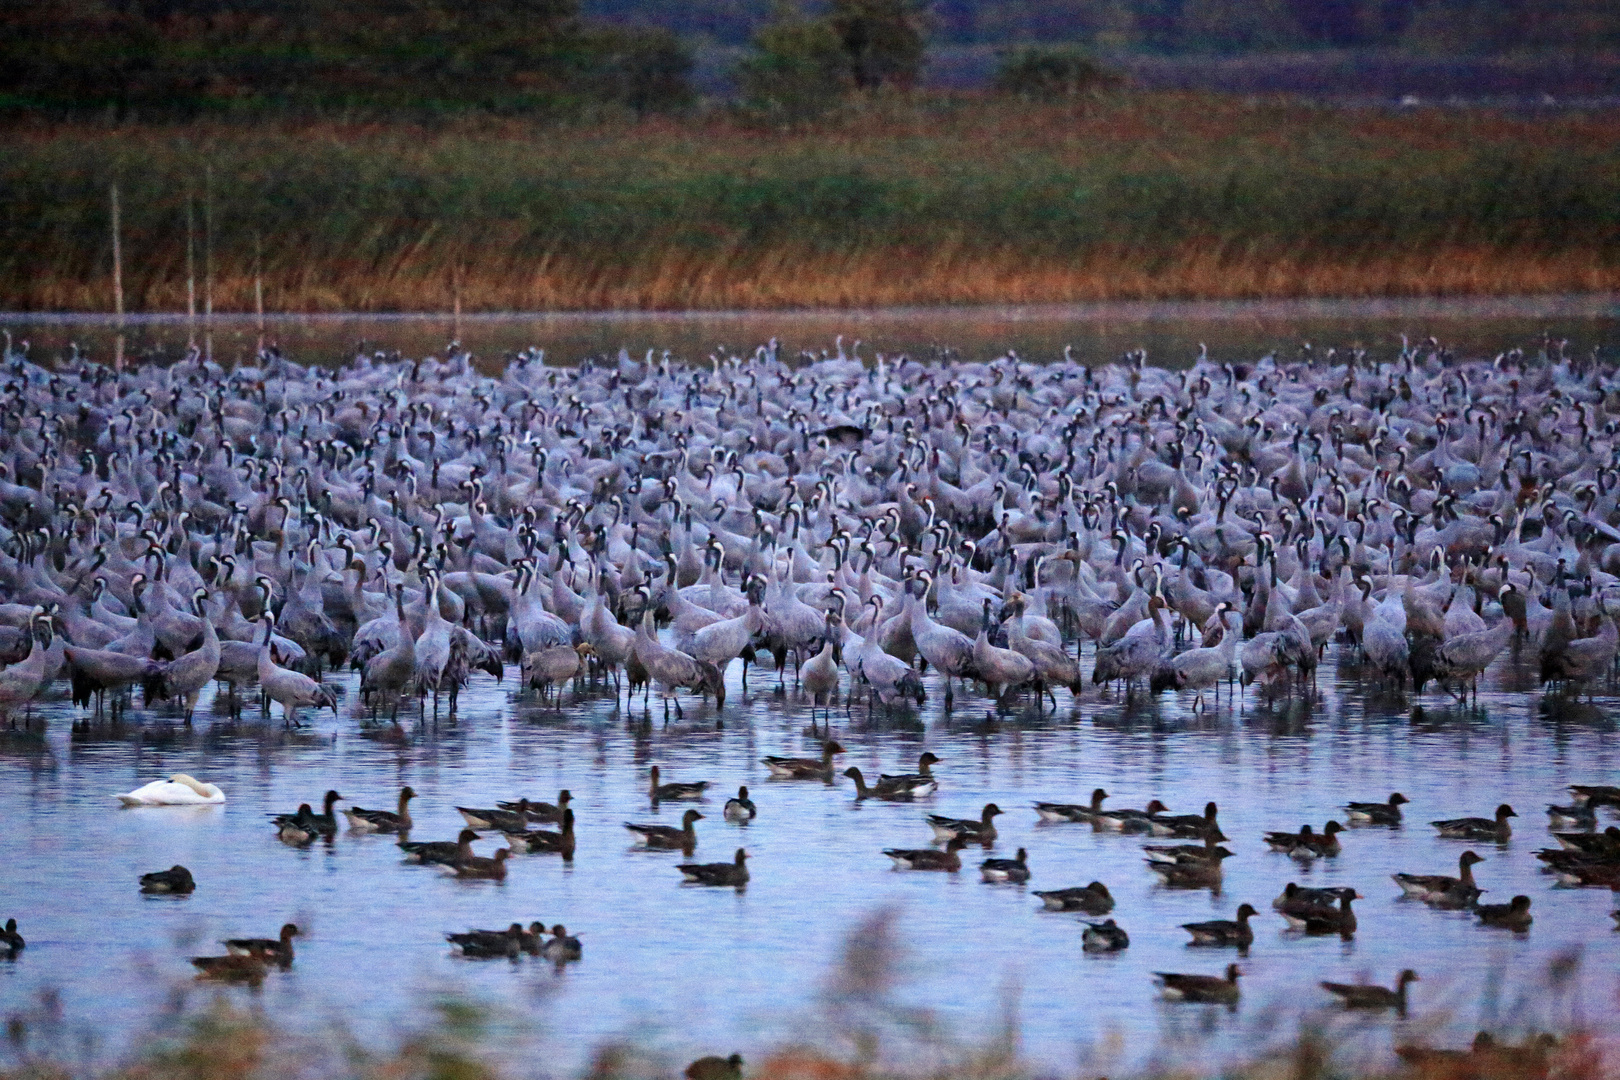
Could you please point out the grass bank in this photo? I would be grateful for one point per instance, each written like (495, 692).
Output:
(928, 201)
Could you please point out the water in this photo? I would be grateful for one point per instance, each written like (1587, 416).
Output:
(685, 970)
(1171, 332)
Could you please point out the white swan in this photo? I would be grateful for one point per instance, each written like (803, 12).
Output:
(177, 790)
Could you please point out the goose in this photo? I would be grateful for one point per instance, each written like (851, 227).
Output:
(383, 821)
(232, 967)
(862, 792)
(505, 944)
(1319, 919)
(1364, 996)
(1306, 844)
(176, 880)
(715, 1068)
(1093, 899)
(785, 768)
(479, 868)
(1576, 816)
(1477, 828)
(919, 784)
(1126, 820)
(1205, 989)
(297, 828)
(667, 837)
(1223, 933)
(1186, 826)
(1595, 795)
(1014, 870)
(949, 860)
(514, 819)
(277, 950)
(675, 791)
(1514, 915)
(1605, 843)
(1440, 889)
(1105, 936)
(734, 873)
(1204, 874)
(10, 940)
(982, 830)
(1377, 813)
(741, 809)
(323, 824)
(562, 948)
(1209, 851)
(439, 852)
(543, 842)
(1056, 812)
(539, 811)
(178, 790)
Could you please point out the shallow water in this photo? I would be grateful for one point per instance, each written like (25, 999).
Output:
(686, 970)
(1170, 331)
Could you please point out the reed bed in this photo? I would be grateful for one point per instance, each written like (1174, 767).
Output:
(905, 201)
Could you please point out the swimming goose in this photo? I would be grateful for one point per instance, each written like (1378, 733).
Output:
(982, 831)
(1220, 933)
(1362, 996)
(11, 942)
(297, 828)
(784, 768)
(512, 820)
(175, 880)
(1478, 828)
(1014, 870)
(1105, 936)
(1443, 890)
(322, 824)
(1578, 816)
(1207, 989)
(1093, 899)
(492, 944)
(731, 873)
(1070, 811)
(715, 1068)
(864, 792)
(1514, 915)
(383, 821)
(1129, 821)
(687, 790)
(1377, 813)
(949, 860)
(543, 842)
(668, 837)
(562, 948)
(1294, 894)
(276, 950)
(917, 785)
(1187, 875)
(741, 809)
(1306, 844)
(1595, 795)
(541, 813)
(1602, 844)
(232, 967)
(439, 852)
(1318, 919)
(1186, 826)
(177, 790)
(1207, 852)
(479, 868)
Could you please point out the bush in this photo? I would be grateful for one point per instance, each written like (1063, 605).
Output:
(798, 69)
(1053, 73)
(645, 68)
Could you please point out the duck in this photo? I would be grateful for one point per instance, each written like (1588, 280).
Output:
(1478, 828)
(668, 837)
(1440, 888)
(1105, 936)
(479, 868)
(733, 873)
(917, 785)
(176, 881)
(715, 1068)
(543, 842)
(863, 792)
(1368, 996)
(539, 812)
(676, 792)
(1377, 813)
(276, 950)
(178, 790)
(1514, 915)
(786, 768)
(232, 967)
(1222, 933)
(323, 824)
(1010, 871)
(439, 852)
(1205, 989)
(492, 944)
(949, 860)
(383, 821)
(562, 948)
(1058, 812)
(981, 831)
(1093, 899)
(512, 820)
(741, 809)
(11, 942)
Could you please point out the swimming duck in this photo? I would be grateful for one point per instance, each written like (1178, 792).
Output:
(439, 852)
(492, 944)
(542, 842)
(786, 768)
(731, 873)
(675, 791)
(917, 785)
(479, 868)
(177, 790)
(1014, 870)
(982, 831)
(715, 1068)
(276, 950)
(1477, 828)
(541, 813)
(176, 880)
(1441, 889)
(1220, 933)
(949, 860)
(1363, 996)
(1093, 899)
(383, 821)
(11, 942)
(512, 820)
(864, 792)
(1377, 813)
(1070, 811)
(562, 948)
(668, 837)
(741, 809)
(1208, 989)
(232, 967)
(1514, 915)
(1186, 826)
(1105, 936)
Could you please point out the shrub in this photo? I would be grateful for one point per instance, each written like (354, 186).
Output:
(1053, 73)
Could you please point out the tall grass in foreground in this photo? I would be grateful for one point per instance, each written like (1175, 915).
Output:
(862, 1031)
(936, 200)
